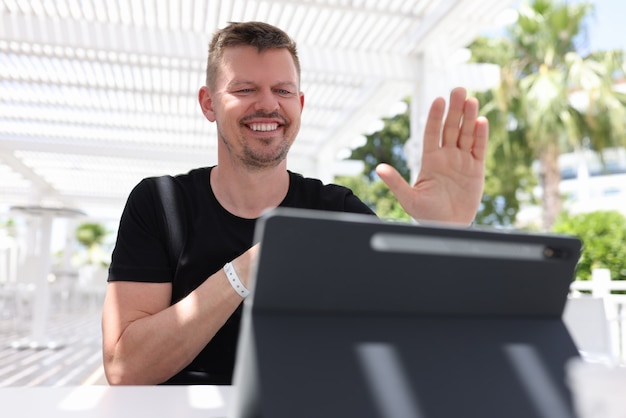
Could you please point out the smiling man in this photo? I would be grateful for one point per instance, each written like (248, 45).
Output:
(256, 102)
(185, 246)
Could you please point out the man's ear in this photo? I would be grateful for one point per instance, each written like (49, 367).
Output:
(206, 103)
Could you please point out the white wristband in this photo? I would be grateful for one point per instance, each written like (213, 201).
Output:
(234, 281)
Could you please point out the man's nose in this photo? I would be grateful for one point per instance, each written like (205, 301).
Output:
(266, 101)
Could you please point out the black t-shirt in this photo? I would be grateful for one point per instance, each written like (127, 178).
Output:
(210, 237)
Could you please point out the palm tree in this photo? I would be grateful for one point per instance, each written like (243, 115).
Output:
(541, 69)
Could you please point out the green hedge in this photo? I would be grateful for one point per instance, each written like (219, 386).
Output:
(603, 234)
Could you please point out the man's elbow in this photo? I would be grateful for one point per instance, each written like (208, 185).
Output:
(119, 374)
(116, 376)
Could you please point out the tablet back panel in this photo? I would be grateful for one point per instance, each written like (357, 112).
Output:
(352, 316)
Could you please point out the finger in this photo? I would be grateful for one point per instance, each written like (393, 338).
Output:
(452, 123)
(468, 125)
(481, 138)
(432, 132)
(394, 180)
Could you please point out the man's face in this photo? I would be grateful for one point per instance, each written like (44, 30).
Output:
(256, 105)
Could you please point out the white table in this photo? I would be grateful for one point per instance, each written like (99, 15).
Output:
(116, 401)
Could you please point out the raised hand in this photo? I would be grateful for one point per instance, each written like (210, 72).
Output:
(452, 175)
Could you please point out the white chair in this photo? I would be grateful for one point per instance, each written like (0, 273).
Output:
(586, 320)
(91, 286)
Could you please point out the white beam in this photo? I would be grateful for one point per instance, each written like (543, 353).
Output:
(378, 99)
(7, 156)
(356, 63)
(105, 149)
(183, 45)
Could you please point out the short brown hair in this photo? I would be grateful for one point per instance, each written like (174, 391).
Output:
(260, 35)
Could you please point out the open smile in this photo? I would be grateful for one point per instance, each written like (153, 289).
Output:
(263, 127)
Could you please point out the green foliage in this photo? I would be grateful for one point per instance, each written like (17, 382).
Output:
(509, 178)
(531, 114)
(376, 195)
(91, 234)
(546, 30)
(499, 51)
(8, 226)
(603, 234)
(384, 146)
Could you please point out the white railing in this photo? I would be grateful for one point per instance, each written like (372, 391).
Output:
(601, 286)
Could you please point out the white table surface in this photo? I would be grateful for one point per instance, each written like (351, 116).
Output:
(116, 401)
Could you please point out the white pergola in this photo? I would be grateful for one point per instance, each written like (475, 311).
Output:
(96, 95)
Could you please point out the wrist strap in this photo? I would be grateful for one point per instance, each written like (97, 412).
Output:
(234, 281)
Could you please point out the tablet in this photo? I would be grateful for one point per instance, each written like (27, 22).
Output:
(354, 316)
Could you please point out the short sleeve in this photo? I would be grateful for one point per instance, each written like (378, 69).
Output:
(355, 205)
(141, 249)
(310, 193)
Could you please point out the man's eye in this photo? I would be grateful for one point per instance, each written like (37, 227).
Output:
(283, 92)
(244, 91)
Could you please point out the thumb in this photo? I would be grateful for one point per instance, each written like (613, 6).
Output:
(394, 180)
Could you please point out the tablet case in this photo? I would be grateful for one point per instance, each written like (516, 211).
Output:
(352, 316)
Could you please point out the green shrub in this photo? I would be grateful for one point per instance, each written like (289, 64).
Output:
(603, 234)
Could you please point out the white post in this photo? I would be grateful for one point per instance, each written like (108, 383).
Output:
(424, 91)
(42, 291)
(601, 279)
(601, 288)
(42, 260)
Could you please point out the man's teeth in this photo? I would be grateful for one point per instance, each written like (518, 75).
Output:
(264, 126)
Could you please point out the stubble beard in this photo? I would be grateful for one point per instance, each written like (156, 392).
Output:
(255, 159)
(268, 157)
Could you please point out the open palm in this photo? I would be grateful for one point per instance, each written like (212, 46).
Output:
(451, 179)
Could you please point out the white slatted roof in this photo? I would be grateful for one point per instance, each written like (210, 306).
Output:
(97, 94)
